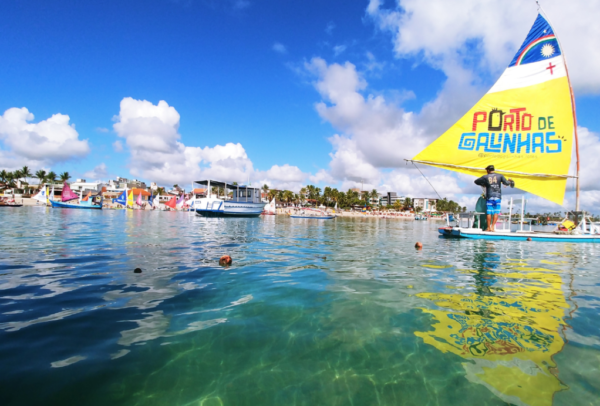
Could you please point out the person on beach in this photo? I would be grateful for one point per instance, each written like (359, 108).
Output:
(493, 194)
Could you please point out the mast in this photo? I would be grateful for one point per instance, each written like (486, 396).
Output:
(573, 109)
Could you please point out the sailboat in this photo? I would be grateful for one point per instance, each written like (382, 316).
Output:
(525, 126)
(67, 197)
(270, 208)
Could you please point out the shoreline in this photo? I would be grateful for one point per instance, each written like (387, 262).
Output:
(280, 211)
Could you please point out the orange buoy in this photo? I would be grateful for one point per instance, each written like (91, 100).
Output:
(225, 260)
(418, 245)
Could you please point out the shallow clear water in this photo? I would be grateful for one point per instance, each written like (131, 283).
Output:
(339, 312)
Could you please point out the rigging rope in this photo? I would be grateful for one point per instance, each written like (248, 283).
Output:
(436, 192)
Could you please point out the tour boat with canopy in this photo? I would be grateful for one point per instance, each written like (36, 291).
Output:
(525, 126)
(244, 201)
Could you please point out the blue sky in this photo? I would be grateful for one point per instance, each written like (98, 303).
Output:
(252, 72)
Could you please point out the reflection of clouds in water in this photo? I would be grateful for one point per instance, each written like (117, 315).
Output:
(17, 325)
(119, 354)
(67, 362)
(156, 324)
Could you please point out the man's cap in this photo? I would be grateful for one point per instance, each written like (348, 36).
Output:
(490, 168)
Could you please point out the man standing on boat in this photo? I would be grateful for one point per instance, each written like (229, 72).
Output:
(493, 194)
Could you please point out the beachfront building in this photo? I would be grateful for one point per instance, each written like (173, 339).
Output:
(390, 198)
(82, 185)
(426, 204)
(120, 184)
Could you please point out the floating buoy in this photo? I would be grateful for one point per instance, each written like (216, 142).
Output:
(225, 260)
(137, 270)
(418, 245)
(528, 238)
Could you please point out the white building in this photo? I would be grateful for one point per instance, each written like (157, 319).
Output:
(426, 204)
(81, 185)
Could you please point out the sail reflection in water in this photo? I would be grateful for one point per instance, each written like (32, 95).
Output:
(509, 328)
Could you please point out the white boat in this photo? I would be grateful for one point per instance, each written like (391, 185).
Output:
(229, 201)
(525, 126)
(310, 213)
(270, 209)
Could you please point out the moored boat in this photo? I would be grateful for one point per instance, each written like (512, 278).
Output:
(270, 209)
(525, 125)
(309, 213)
(70, 200)
(229, 200)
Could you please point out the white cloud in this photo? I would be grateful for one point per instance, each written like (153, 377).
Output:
(375, 133)
(102, 130)
(330, 27)
(98, 173)
(338, 49)
(283, 177)
(589, 151)
(38, 144)
(157, 154)
(279, 48)
(118, 146)
(488, 34)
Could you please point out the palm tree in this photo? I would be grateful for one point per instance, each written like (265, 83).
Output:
(51, 177)
(407, 203)
(303, 194)
(265, 188)
(288, 196)
(65, 177)
(40, 175)
(26, 173)
(3, 175)
(280, 195)
(10, 179)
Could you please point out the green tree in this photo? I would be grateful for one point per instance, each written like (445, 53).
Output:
(265, 188)
(288, 196)
(51, 177)
(280, 195)
(374, 197)
(418, 209)
(40, 176)
(26, 173)
(3, 176)
(64, 177)
(302, 193)
(408, 203)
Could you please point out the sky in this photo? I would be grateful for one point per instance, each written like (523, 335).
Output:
(288, 93)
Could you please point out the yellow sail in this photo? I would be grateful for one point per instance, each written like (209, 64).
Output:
(130, 200)
(523, 126)
(509, 336)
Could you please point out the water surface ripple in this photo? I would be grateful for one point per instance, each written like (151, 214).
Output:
(341, 312)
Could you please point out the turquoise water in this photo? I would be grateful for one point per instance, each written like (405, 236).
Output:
(339, 312)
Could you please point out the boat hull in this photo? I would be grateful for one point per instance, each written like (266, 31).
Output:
(220, 208)
(476, 234)
(63, 205)
(313, 217)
